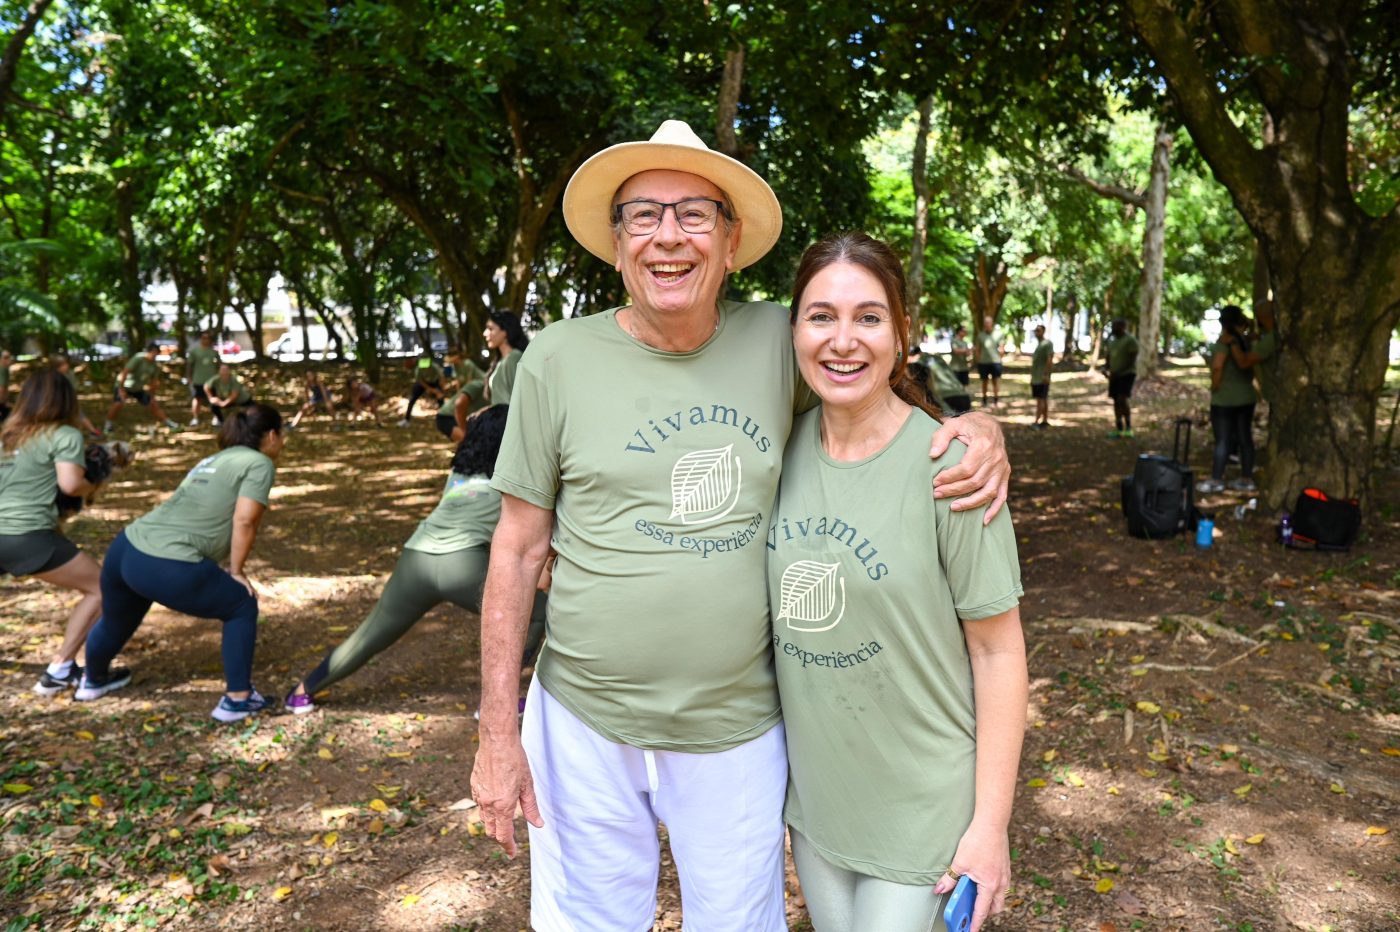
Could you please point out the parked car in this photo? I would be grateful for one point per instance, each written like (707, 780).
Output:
(228, 348)
(98, 352)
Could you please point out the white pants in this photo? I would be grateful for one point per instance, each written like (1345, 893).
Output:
(594, 864)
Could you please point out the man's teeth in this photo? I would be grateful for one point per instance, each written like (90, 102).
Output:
(845, 367)
(672, 267)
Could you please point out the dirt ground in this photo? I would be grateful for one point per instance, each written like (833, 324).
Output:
(1212, 738)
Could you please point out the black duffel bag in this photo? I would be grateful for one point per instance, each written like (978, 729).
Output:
(1325, 523)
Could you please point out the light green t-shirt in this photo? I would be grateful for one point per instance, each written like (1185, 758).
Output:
(137, 373)
(465, 517)
(943, 381)
(1236, 384)
(429, 375)
(197, 521)
(990, 346)
(1122, 354)
(868, 579)
(475, 390)
(29, 480)
(1266, 348)
(661, 469)
(959, 357)
(1040, 363)
(204, 363)
(233, 388)
(502, 381)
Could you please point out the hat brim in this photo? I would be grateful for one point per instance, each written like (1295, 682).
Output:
(588, 200)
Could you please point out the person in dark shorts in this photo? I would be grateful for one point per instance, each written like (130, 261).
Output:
(41, 452)
(1040, 378)
(136, 382)
(201, 365)
(427, 380)
(988, 354)
(224, 392)
(960, 356)
(1122, 353)
(362, 397)
(452, 419)
(317, 397)
(171, 555)
(444, 561)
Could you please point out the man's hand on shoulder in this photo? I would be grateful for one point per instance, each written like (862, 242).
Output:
(983, 476)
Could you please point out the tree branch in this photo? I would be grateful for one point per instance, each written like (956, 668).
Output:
(9, 61)
(1136, 199)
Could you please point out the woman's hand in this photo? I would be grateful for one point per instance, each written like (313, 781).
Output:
(245, 582)
(984, 854)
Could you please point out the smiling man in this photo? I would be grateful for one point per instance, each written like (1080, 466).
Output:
(644, 444)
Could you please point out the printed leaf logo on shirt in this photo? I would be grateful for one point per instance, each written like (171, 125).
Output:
(809, 594)
(705, 485)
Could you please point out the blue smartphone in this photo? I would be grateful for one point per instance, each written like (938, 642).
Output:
(957, 915)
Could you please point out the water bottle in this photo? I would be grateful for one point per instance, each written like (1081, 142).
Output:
(1285, 530)
(1205, 531)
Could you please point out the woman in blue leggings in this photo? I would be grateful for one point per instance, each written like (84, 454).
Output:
(171, 556)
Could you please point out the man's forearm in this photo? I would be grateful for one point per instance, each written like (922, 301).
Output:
(505, 617)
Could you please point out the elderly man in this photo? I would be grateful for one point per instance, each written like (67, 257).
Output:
(645, 443)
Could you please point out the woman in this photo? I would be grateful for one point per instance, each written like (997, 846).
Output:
(444, 561)
(896, 632)
(317, 396)
(41, 452)
(1232, 400)
(506, 338)
(224, 392)
(172, 554)
(362, 398)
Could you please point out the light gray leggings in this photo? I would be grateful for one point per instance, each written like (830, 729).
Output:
(839, 900)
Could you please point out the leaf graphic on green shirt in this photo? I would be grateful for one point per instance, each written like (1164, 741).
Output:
(702, 481)
(808, 594)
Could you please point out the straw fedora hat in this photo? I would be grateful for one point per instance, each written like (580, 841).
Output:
(589, 198)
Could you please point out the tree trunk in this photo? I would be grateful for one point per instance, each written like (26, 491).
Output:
(129, 277)
(990, 279)
(915, 286)
(1153, 253)
(727, 110)
(1071, 319)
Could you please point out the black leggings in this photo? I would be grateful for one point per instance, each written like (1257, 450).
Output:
(1234, 430)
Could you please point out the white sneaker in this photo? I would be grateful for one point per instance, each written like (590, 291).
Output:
(194, 422)
(1243, 485)
(403, 423)
(1207, 486)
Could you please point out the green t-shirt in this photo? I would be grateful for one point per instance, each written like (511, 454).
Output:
(1266, 348)
(197, 521)
(943, 381)
(1040, 363)
(868, 579)
(29, 480)
(660, 468)
(959, 357)
(429, 375)
(502, 381)
(204, 363)
(137, 373)
(1236, 384)
(233, 388)
(475, 391)
(989, 346)
(1122, 354)
(465, 517)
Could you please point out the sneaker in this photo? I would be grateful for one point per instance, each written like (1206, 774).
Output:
(1242, 485)
(402, 423)
(1114, 434)
(1207, 486)
(50, 685)
(91, 688)
(1127, 434)
(236, 710)
(194, 422)
(298, 705)
(107, 427)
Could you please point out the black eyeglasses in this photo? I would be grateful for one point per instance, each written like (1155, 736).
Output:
(694, 214)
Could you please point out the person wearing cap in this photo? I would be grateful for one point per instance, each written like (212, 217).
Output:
(645, 444)
(427, 380)
(1040, 378)
(136, 382)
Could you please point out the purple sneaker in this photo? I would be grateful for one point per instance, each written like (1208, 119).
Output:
(298, 705)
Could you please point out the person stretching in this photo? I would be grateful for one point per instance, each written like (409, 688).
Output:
(444, 561)
(224, 391)
(41, 452)
(137, 382)
(317, 396)
(171, 556)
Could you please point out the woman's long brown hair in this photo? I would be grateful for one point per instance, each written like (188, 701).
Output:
(46, 400)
